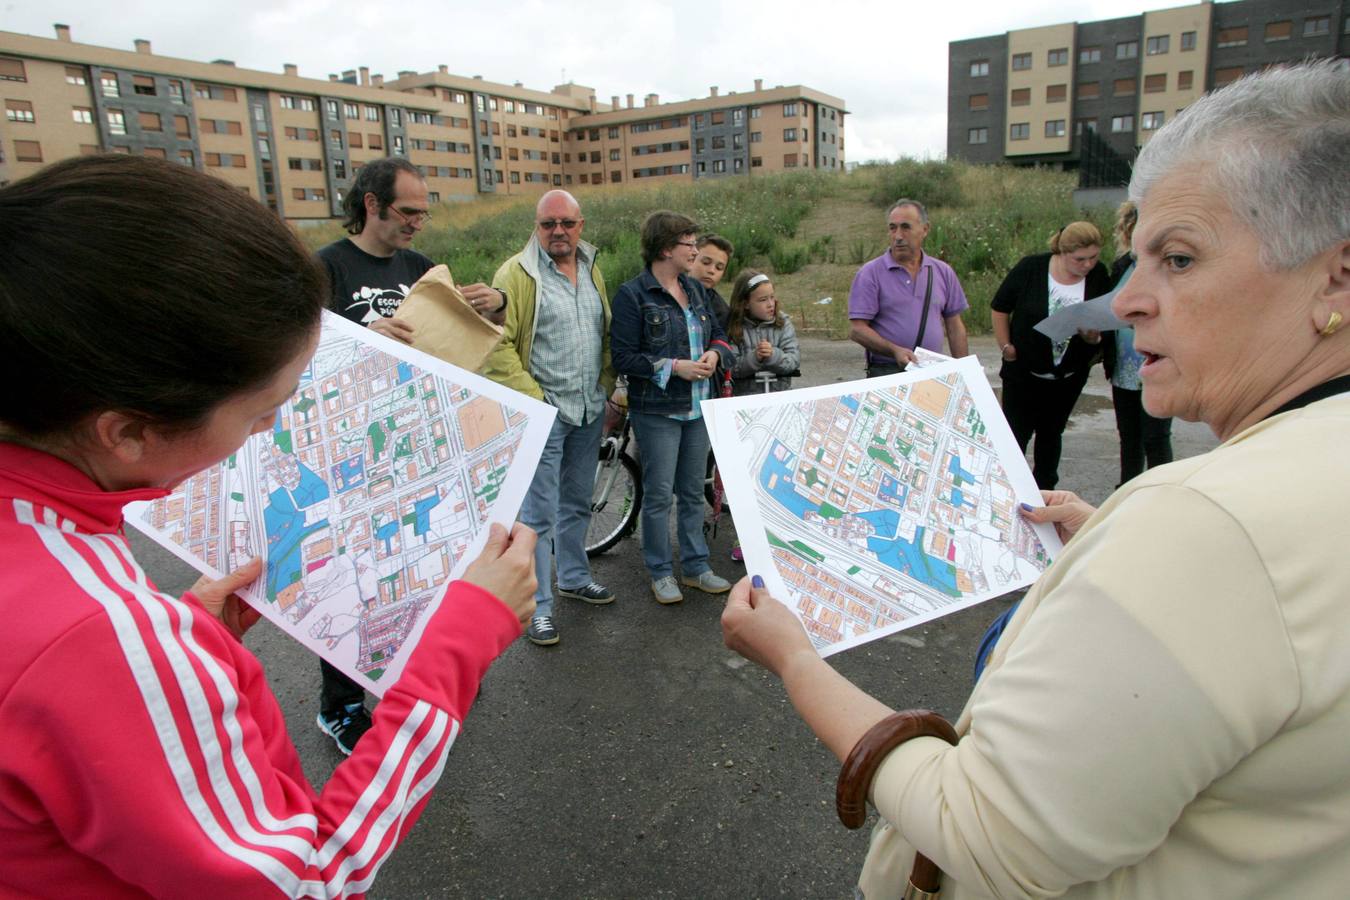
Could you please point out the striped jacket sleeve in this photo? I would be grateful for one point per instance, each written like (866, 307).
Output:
(164, 756)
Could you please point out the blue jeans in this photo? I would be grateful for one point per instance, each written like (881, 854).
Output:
(558, 507)
(674, 460)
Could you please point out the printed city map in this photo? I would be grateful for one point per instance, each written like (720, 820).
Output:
(876, 505)
(373, 490)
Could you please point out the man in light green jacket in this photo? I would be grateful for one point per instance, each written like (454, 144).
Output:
(555, 348)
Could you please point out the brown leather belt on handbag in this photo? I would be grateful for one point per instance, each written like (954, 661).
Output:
(855, 780)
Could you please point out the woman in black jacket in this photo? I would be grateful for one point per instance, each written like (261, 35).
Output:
(1042, 379)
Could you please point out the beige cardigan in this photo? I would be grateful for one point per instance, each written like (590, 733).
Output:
(1168, 713)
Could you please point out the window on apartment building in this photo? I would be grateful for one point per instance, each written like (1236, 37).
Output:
(82, 114)
(979, 68)
(512, 153)
(27, 151)
(1089, 55)
(1151, 121)
(117, 122)
(434, 197)
(1083, 125)
(1316, 26)
(511, 107)
(306, 103)
(19, 111)
(1158, 45)
(1155, 84)
(182, 127)
(510, 131)
(1227, 75)
(480, 104)
(595, 156)
(719, 165)
(1056, 93)
(497, 175)
(737, 164)
(738, 117)
(186, 158)
(1231, 37)
(1020, 97)
(719, 117)
(375, 142)
(492, 106)
(1187, 40)
(790, 109)
(515, 178)
(286, 102)
(1089, 90)
(719, 143)
(977, 136)
(1124, 87)
(1054, 128)
(789, 134)
(1019, 131)
(754, 112)
(737, 141)
(74, 74)
(330, 108)
(496, 127)
(1122, 124)
(456, 97)
(351, 110)
(1279, 31)
(979, 102)
(149, 121)
(226, 94)
(109, 85)
(143, 85)
(583, 178)
(1127, 50)
(201, 91)
(756, 137)
(1057, 57)
(790, 161)
(335, 139)
(615, 176)
(155, 153)
(615, 155)
(1021, 61)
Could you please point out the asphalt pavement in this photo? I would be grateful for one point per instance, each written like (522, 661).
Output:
(639, 757)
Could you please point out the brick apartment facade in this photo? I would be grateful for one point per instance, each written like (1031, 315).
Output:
(295, 143)
(1028, 97)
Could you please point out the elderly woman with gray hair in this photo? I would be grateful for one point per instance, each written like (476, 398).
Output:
(1168, 712)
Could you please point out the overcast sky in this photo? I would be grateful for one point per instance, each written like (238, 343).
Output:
(887, 61)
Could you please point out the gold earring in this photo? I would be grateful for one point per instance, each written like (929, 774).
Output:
(1333, 325)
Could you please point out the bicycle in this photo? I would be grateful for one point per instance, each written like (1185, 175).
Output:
(616, 499)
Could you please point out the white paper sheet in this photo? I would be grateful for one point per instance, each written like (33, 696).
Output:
(373, 491)
(1094, 315)
(872, 506)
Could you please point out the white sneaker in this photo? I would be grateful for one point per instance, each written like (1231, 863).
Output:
(708, 582)
(666, 590)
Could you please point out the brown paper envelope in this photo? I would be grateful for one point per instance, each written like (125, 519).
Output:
(445, 324)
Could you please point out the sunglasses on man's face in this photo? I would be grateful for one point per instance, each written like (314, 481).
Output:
(550, 224)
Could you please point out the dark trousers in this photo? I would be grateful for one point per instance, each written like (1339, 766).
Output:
(338, 690)
(1040, 407)
(1142, 437)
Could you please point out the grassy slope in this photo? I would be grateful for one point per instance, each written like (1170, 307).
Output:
(809, 230)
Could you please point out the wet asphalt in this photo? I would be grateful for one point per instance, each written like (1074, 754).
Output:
(639, 757)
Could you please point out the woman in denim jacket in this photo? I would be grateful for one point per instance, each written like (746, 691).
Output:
(664, 337)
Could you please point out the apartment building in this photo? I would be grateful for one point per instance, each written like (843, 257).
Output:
(1040, 96)
(296, 142)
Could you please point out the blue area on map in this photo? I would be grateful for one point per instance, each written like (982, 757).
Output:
(893, 489)
(405, 372)
(286, 531)
(349, 473)
(850, 402)
(908, 557)
(883, 521)
(386, 533)
(954, 467)
(783, 492)
(895, 552)
(422, 513)
(311, 488)
(957, 497)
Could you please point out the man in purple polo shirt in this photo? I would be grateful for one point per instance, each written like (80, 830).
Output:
(905, 298)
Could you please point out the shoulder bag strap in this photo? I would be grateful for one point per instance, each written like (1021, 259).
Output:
(927, 302)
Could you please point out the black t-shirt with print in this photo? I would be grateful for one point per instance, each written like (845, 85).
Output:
(367, 287)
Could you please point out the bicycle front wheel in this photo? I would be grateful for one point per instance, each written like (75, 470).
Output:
(615, 503)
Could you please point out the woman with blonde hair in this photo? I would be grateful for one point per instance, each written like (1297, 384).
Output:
(1042, 379)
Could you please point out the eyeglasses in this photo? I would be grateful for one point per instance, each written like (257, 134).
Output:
(693, 244)
(569, 224)
(411, 217)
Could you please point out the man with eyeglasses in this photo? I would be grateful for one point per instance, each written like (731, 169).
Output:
(371, 272)
(555, 348)
(373, 269)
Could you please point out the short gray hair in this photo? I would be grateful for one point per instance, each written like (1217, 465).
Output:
(1277, 144)
(905, 201)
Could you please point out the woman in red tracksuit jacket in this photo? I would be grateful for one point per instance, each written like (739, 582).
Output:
(151, 318)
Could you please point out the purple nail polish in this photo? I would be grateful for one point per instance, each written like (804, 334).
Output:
(757, 582)
(1026, 506)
